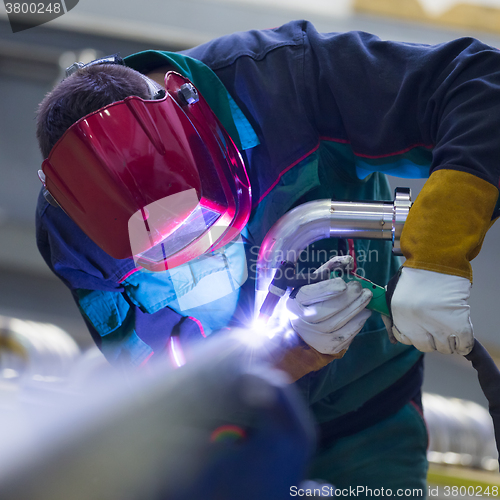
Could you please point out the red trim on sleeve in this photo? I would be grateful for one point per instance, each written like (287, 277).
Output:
(376, 157)
(145, 362)
(283, 172)
(340, 141)
(129, 274)
(200, 326)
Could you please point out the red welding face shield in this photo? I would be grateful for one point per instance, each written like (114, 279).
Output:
(157, 180)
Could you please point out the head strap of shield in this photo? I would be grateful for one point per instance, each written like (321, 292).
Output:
(155, 89)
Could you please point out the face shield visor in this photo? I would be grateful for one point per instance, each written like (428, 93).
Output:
(157, 180)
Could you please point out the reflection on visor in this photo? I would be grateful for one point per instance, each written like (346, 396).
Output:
(193, 227)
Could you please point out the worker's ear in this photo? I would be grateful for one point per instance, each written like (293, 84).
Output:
(158, 74)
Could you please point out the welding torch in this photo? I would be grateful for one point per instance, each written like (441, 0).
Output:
(286, 277)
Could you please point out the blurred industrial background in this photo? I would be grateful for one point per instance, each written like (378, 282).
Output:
(31, 61)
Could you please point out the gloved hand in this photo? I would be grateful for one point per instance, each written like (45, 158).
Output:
(329, 314)
(430, 311)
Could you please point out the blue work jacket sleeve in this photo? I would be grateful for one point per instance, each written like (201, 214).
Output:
(400, 108)
(388, 99)
(129, 336)
(126, 334)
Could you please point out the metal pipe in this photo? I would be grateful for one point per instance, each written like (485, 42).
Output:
(34, 352)
(321, 219)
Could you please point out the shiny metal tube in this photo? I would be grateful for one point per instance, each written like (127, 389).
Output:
(321, 219)
(33, 351)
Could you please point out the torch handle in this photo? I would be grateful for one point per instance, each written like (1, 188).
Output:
(378, 302)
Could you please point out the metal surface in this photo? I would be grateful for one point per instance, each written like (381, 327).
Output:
(322, 219)
(189, 93)
(32, 351)
(402, 204)
(216, 429)
(460, 433)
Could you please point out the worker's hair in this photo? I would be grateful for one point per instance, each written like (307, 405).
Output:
(83, 92)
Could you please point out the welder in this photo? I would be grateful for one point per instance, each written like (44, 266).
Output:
(164, 171)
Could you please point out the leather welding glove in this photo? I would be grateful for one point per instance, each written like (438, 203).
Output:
(444, 231)
(329, 314)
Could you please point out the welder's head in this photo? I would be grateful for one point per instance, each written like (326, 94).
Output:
(146, 171)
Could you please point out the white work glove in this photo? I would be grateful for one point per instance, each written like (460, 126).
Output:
(430, 311)
(329, 314)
